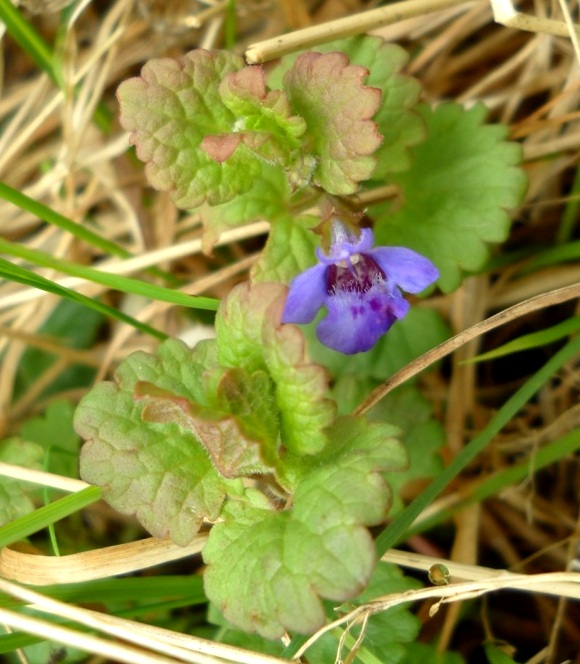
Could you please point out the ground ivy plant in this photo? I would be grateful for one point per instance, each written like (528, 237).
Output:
(244, 432)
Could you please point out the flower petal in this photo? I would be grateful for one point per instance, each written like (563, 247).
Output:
(355, 322)
(307, 294)
(345, 245)
(405, 267)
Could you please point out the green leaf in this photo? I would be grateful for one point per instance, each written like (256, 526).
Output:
(267, 571)
(240, 428)
(239, 325)
(399, 125)
(54, 428)
(496, 655)
(355, 376)
(250, 399)
(289, 250)
(169, 110)
(29, 278)
(265, 121)
(389, 633)
(15, 500)
(422, 436)
(330, 95)
(455, 195)
(235, 637)
(250, 335)
(425, 652)
(267, 199)
(167, 439)
(159, 471)
(54, 432)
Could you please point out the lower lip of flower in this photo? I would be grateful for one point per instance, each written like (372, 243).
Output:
(360, 276)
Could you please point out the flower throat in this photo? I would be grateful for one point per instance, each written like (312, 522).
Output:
(359, 275)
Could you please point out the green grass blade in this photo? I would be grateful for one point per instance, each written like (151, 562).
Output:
(130, 589)
(20, 275)
(79, 231)
(396, 531)
(496, 483)
(113, 591)
(11, 642)
(230, 25)
(44, 516)
(30, 41)
(24, 202)
(532, 340)
(113, 281)
(144, 595)
(570, 216)
(27, 37)
(554, 256)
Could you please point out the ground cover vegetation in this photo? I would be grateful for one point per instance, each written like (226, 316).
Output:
(288, 322)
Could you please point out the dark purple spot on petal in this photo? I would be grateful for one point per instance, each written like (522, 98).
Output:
(357, 311)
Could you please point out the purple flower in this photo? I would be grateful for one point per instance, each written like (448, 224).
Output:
(360, 287)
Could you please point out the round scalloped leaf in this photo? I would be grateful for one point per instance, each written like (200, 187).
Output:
(265, 117)
(158, 471)
(268, 571)
(329, 93)
(250, 334)
(455, 195)
(169, 110)
(400, 126)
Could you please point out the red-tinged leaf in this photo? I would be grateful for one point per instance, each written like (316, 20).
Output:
(282, 564)
(330, 95)
(221, 147)
(399, 124)
(158, 471)
(250, 399)
(232, 453)
(240, 433)
(169, 110)
(248, 83)
(269, 127)
(250, 334)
